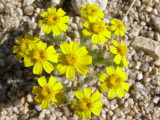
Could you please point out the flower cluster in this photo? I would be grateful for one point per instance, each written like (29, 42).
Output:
(71, 57)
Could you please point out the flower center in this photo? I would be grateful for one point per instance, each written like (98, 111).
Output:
(53, 19)
(47, 92)
(39, 55)
(98, 27)
(91, 11)
(24, 45)
(122, 49)
(86, 104)
(71, 59)
(115, 81)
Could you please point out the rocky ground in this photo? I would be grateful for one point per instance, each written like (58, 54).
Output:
(142, 102)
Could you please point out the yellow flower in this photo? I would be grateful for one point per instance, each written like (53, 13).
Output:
(88, 103)
(26, 44)
(73, 58)
(40, 56)
(91, 12)
(118, 27)
(98, 29)
(48, 91)
(120, 50)
(114, 82)
(54, 21)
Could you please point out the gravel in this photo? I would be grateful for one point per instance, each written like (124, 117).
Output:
(142, 37)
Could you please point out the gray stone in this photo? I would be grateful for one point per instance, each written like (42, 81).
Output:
(147, 45)
(28, 10)
(2, 63)
(139, 76)
(156, 99)
(138, 86)
(156, 23)
(144, 67)
(57, 2)
(28, 2)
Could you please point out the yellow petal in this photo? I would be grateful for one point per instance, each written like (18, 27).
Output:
(61, 12)
(125, 86)
(86, 115)
(86, 32)
(63, 26)
(61, 68)
(104, 87)
(58, 86)
(95, 39)
(115, 43)
(110, 70)
(116, 33)
(52, 10)
(113, 28)
(125, 62)
(121, 33)
(45, 104)
(44, 14)
(97, 104)
(46, 29)
(74, 46)
(113, 49)
(42, 81)
(81, 69)
(79, 94)
(27, 62)
(112, 93)
(81, 51)
(37, 69)
(19, 57)
(117, 59)
(96, 111)
(52, 81)
(15, 49)
(102, 38)
(65, 48)
(36, 90)
(65, 19)
(120, 93)
(87, 92)
(70, 72)
(119, 70)
(74, 104)
(51, 50)
(41, 22)
(96, 96)
(48, 67)
(38, 99)
(85, 60)
(56, 30)
(41, 45)
(53, 58)
(59, 98)
(86, 24)
(103, 77)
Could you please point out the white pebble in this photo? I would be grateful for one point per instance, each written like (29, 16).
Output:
(139, 76)
(138, 86)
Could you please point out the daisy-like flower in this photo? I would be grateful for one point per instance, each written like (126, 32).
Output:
(26, 44)
(91, 11)
(73, 58)
(120, 50)
(118, 27)
(39, 58)
(87, 103)
(54, 21)
(114, 82)
(98, 29)
(47, 92)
